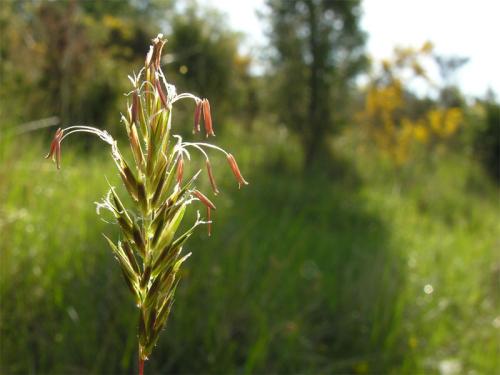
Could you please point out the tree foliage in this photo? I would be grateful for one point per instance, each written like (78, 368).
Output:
(68, 58)
(487, 139)
(318, 50)
(394, 118)
(204, 52)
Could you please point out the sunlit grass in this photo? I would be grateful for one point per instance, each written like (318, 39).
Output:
(347, 273)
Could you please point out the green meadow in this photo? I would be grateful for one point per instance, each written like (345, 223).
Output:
(367, 240)
(349, 268)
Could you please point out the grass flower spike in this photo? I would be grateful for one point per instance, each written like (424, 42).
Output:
(150, 249)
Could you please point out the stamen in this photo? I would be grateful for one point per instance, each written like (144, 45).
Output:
(161, 94)
(104, 135)
(55, 148)
(207, 118)
(185, 95)
(135, 107)
(197, 117)
(58, 154)
(149, 56)
(54, 143)
(61, 134)
(196, 144)
(180, 169)
(211, 177)
(204, 199)
(209, 222)
(236, 170)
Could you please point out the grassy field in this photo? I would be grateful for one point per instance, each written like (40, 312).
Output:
(349, 270)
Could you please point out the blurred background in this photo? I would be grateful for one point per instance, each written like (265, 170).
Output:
(368, 239)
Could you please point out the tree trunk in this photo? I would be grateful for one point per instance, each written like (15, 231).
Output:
(314, 138)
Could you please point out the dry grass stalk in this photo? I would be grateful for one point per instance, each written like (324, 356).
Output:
(149, 252)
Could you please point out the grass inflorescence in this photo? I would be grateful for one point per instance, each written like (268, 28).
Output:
(149, 249)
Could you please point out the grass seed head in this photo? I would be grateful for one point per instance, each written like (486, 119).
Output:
(150, 253)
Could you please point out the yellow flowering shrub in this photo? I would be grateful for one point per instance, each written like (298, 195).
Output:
(386, 114)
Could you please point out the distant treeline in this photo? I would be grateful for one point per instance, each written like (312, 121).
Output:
(69, 58)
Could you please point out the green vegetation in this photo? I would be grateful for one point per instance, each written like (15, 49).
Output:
(322, 275)
(317, 53)
(379, 257)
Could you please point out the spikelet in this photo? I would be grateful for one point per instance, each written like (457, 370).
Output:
(150, 252)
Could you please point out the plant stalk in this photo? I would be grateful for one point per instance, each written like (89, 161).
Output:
(141, 364)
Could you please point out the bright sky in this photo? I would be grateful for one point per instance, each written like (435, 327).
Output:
(467, 28)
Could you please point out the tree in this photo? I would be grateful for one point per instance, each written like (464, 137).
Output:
(487, 142)
(66, 58)
(450, 94)
(317, 51)
(204, 52)
(395, 118)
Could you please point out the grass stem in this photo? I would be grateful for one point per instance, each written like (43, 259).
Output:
(141, 364)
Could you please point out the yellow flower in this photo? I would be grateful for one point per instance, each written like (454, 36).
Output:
(453, 118)
(420, 132)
